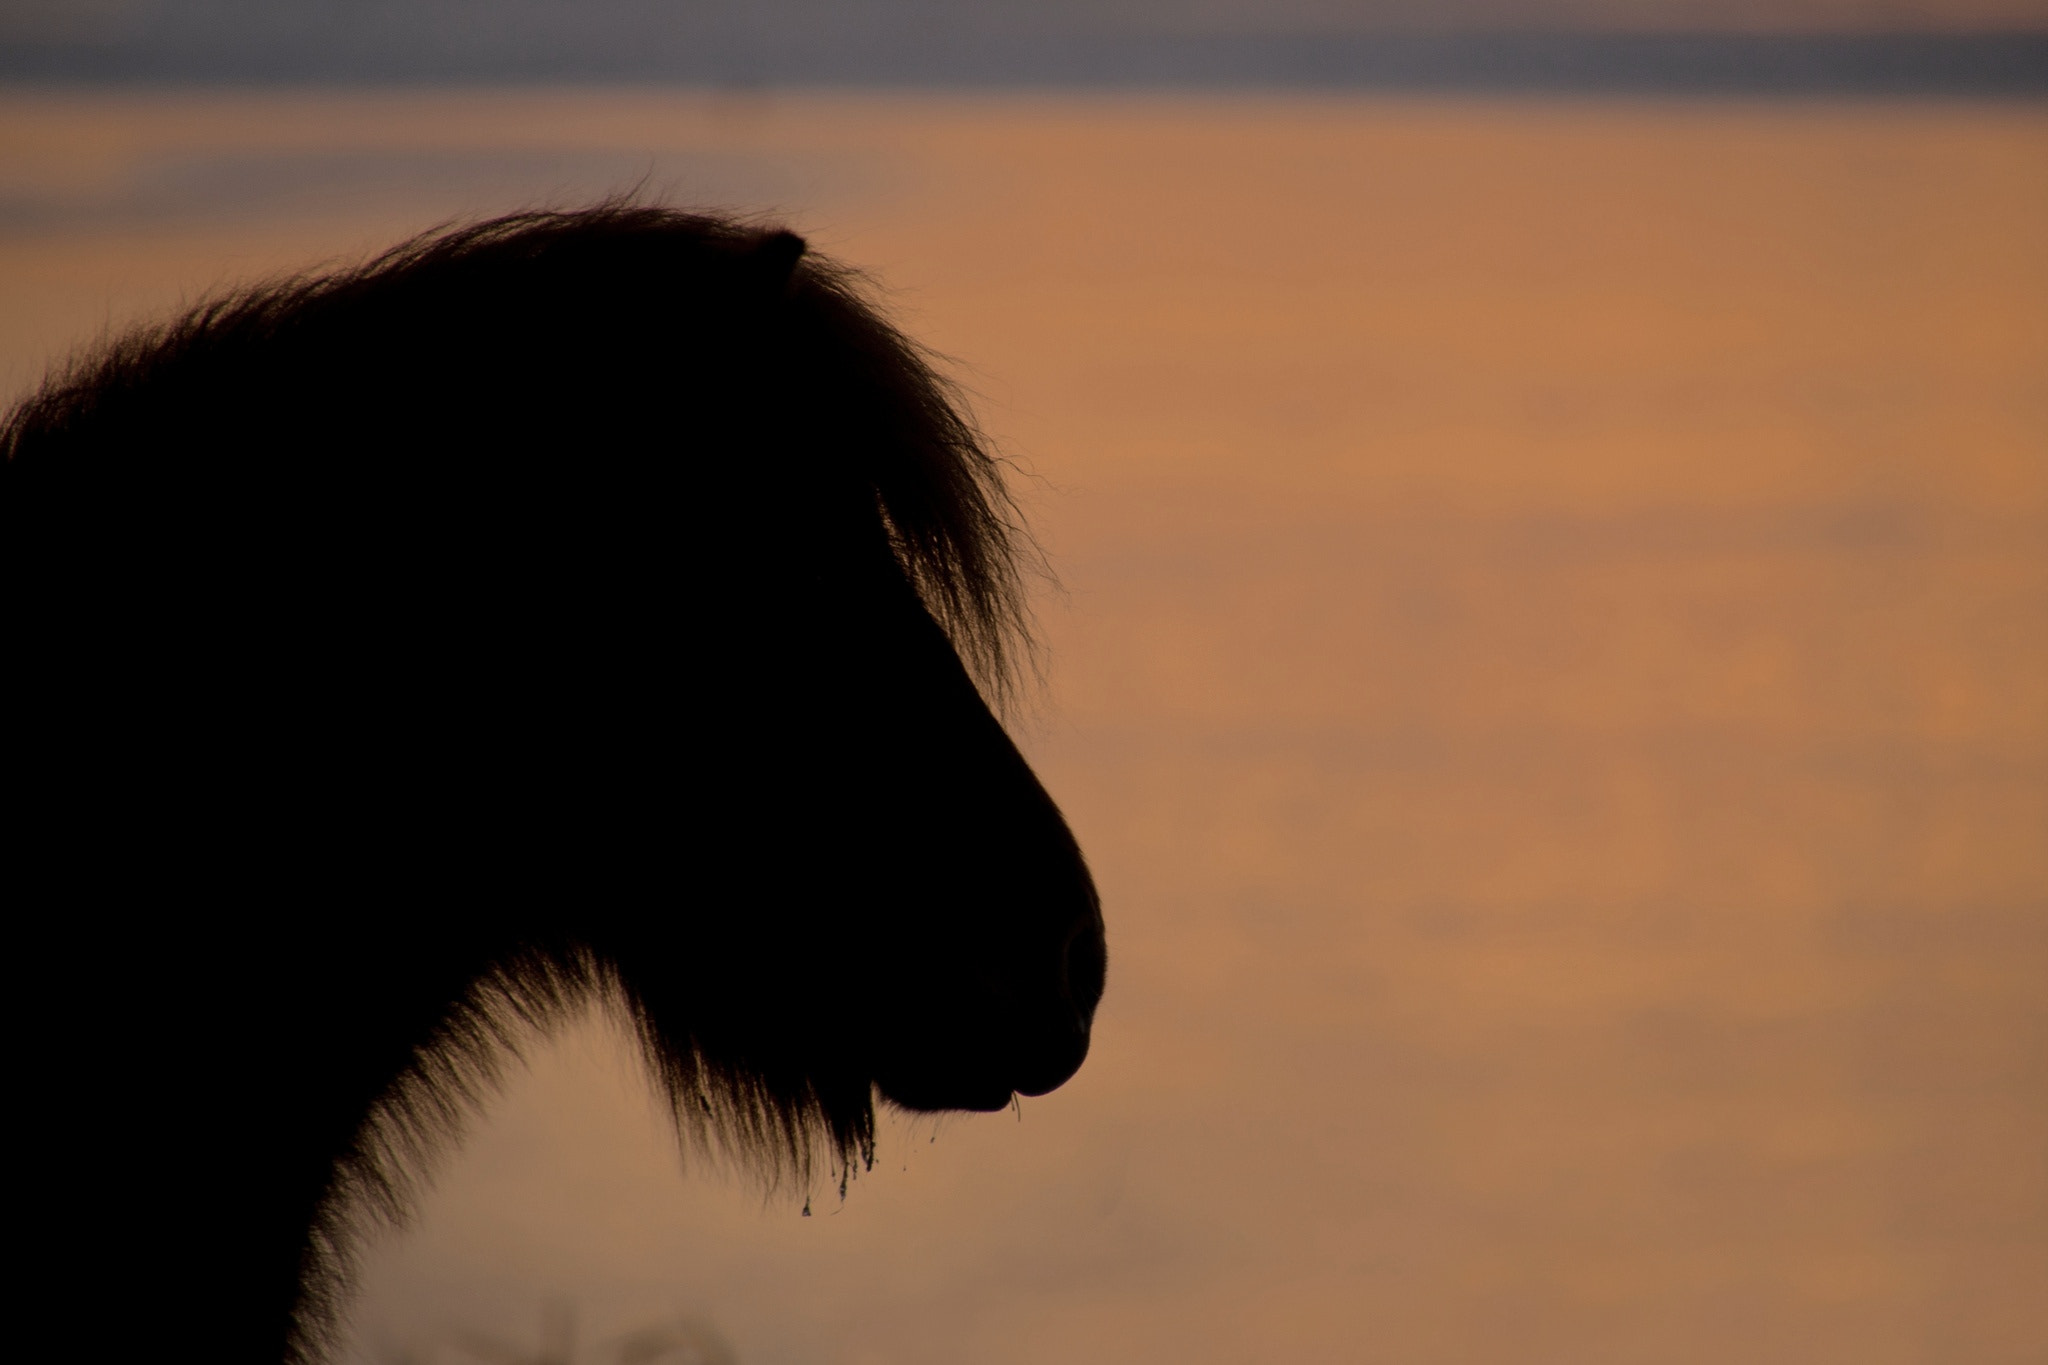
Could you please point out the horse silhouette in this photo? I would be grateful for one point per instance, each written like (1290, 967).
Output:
(585, 606)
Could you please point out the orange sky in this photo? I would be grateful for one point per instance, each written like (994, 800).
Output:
(1551, 673)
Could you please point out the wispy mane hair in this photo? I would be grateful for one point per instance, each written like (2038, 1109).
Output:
(940, 488)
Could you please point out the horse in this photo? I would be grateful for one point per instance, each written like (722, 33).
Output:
(601, 608)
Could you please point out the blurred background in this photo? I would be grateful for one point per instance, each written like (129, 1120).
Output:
(1550, 663)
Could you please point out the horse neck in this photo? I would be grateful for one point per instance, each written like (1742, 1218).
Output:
(202, 1086)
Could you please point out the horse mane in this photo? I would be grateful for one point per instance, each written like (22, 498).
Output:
(953, 524)
(928, 472)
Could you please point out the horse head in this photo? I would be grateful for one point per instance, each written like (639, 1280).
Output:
(575, 604)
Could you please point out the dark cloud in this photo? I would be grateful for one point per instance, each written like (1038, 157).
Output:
(1977, 47)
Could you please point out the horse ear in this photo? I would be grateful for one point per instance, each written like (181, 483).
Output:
(774, 260)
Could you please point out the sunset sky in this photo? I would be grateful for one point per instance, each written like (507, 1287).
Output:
(1548, 663)
(1549, 672)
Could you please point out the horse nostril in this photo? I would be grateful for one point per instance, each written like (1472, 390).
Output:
(1086, 963)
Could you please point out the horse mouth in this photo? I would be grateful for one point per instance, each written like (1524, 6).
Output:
(968, 1081)
(953, 1102)
(1011, 1039)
